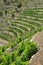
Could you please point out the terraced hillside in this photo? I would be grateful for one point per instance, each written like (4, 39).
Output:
(35, 4)
(15, 30)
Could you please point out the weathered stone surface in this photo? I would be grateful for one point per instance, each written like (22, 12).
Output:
(37, 59)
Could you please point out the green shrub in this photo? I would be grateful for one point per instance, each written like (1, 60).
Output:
(5, 11)
(34, 47)
(13, 15)
(6, 2)
(0, 51)
(1, 13)
(21, 48)
(24, 55)
(19, 5)
(1, 59)
(12, 57)
(18, 61)
(6, 60)
(19, 39)
(30, 49)
(12, 44)
(3, 49)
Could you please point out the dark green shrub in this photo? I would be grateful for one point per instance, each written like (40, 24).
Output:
(6, 60)
(12, 45)
(21, 48)
(13, 15)
(30, 49)
(6, 2)
(1, 59)
(19, 5)
(1, 13)
(24, 55)
(41, 28)
(0, 51)
(19, 39)
(34, 47)
(12, 57)
(5, 11)
(35, 31)
(3, 49)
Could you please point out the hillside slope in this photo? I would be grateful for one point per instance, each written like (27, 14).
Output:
(18, 24)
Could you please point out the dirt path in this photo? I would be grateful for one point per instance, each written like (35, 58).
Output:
(37, 59)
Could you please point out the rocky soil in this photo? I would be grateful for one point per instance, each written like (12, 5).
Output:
(37, 59)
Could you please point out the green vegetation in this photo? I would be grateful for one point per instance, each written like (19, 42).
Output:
(23, 53)
(19, 5)
(1, 13)
(17, 26)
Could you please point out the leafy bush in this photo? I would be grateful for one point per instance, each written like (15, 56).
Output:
(30, 49)
(6, 60)
(18, 62)
(21, 48)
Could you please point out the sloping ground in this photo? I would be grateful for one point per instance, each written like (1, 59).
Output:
(16, 27)
(35, 4)
(37, 59)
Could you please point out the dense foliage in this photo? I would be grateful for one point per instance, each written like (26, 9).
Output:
(23, 53)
